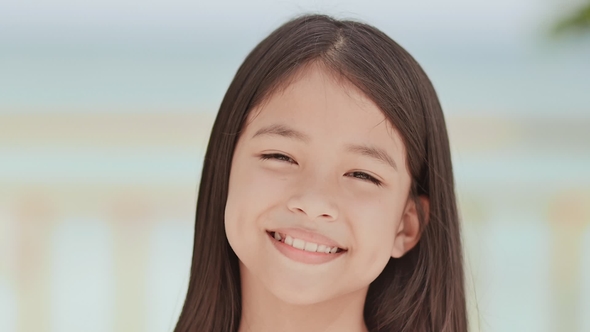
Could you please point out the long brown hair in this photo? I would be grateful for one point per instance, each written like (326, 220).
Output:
(421, 291)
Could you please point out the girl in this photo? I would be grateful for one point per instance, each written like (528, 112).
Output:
(326, 200)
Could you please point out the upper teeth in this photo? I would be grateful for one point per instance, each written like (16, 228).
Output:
(307, 246)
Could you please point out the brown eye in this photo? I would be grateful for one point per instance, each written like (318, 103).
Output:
(366, 177)
(277, 156)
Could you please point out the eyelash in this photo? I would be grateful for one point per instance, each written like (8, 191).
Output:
(282, 157)
(277, 156)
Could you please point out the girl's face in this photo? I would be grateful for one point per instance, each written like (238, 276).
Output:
(318, 166)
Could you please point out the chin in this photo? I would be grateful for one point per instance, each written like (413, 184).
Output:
(298, 296)
(298, 289)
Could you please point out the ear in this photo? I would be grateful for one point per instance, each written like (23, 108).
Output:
(408, 232)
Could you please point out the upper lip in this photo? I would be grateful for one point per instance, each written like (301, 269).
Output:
(308, 236)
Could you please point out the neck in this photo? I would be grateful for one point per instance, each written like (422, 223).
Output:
(262, 311)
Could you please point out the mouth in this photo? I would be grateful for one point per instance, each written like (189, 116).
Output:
(305, 245)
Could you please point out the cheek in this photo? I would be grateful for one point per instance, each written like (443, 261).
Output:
(252, 194)
(374, 226)
(238, 210)
(252, 191)
(375, 222)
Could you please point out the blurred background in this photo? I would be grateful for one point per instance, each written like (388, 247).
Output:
(106, 108)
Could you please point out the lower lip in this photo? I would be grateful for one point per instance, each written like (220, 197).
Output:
(303, 256)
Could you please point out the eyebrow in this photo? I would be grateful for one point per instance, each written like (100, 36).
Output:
(360, 149)
(282, 130)
(372, 152)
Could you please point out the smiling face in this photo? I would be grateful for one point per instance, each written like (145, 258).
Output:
(320, 164)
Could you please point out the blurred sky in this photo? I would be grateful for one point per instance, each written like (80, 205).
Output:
(453, 14)
(86, 55)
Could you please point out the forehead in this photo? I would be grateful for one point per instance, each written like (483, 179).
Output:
(318, 103)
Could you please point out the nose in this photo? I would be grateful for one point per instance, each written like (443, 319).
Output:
(316, 199)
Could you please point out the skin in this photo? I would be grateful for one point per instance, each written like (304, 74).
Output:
(316, 184)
